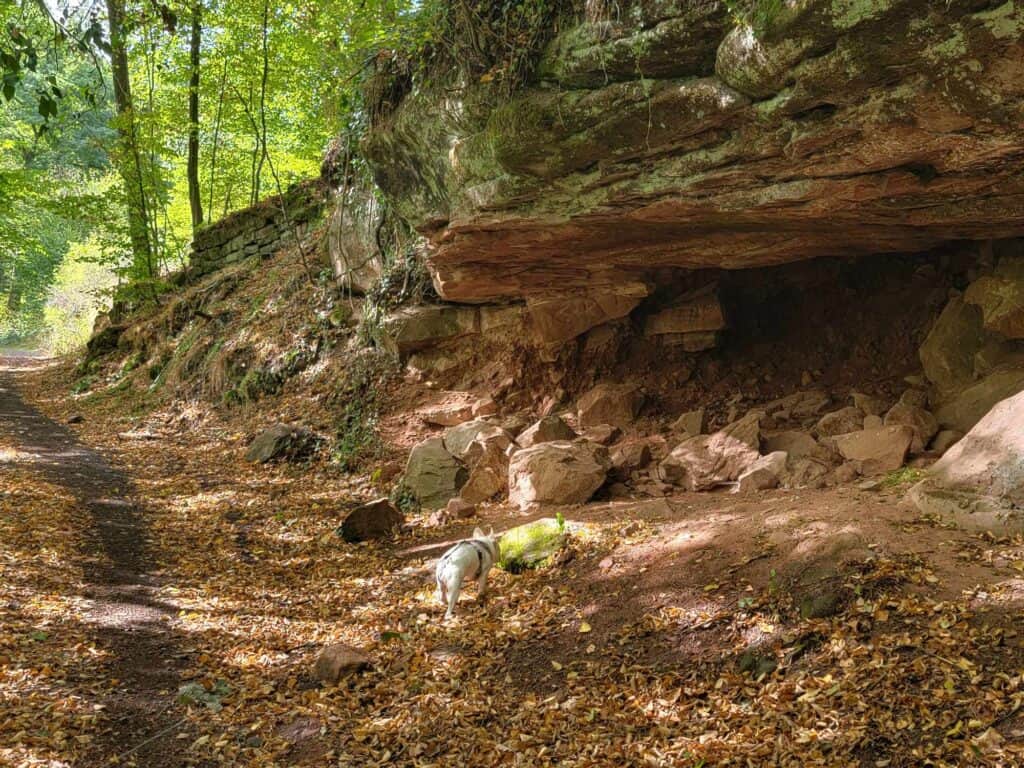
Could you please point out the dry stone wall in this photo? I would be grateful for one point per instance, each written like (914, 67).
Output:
(260, 230)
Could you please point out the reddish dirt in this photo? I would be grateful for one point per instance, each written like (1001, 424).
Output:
(667, 553)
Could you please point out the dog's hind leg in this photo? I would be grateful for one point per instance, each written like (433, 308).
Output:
(453, 599)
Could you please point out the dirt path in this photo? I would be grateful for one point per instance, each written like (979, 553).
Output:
(129, 624)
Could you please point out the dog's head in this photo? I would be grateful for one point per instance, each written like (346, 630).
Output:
(490, 537)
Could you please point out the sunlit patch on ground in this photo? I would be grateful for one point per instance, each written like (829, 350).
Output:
(11, 456)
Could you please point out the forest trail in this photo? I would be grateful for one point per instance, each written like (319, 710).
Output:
(126, 620)
(811, 627)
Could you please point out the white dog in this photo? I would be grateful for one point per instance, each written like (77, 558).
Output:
(469, 560)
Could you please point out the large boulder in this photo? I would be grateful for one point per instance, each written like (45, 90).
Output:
(559, 472)
(966, 409)
(1001, 301)
(705, 461)
(281, 441)
(979, 482)
(765, 473)
(379, 519)
(433, 475)
(488, 474)
(545, 431)
(607, 403)
(876, 450)
(752, 67)
(947, 353)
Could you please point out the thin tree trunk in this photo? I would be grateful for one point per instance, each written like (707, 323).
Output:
(130, 163)
(14, 295)
(254, 179)
(216, 138)
(261, 131)
(195, 198)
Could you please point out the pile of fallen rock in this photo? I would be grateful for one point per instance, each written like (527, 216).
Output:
(804, 440)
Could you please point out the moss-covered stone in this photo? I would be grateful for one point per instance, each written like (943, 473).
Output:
(531, 545)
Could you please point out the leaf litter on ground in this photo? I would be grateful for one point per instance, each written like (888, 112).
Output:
(899, 676)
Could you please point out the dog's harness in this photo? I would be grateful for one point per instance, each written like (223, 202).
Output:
(479, 548)
(480, 552)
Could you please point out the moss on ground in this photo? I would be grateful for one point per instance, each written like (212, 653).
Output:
(531, 545)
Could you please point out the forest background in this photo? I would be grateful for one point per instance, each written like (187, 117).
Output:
(126, 126)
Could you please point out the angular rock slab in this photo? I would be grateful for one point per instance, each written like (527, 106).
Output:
(411, 329)
(607, 403)
(448, 414)
(918, 419)
(765, 473)
(947, 353)
(559, 472)
(883, 449)
(693, 314)
(797, 445)
(377, 520)
(433, 475)
(979, 482)
(545, 431)
(1001, 301)
(692, 422)
(968, 407)
(849, 419)
(560, 319)
(458, 439)
(281, 441)
(488, 476)
(705, 461)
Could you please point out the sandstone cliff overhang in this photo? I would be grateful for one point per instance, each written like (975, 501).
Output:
(676, 137)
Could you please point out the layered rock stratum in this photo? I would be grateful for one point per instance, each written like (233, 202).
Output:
(672, 134)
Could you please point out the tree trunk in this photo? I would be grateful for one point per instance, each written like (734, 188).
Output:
(130, 161)
(261, 130)
(216, 137)
(194, 193)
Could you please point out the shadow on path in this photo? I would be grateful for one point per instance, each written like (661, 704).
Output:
(129, 623)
